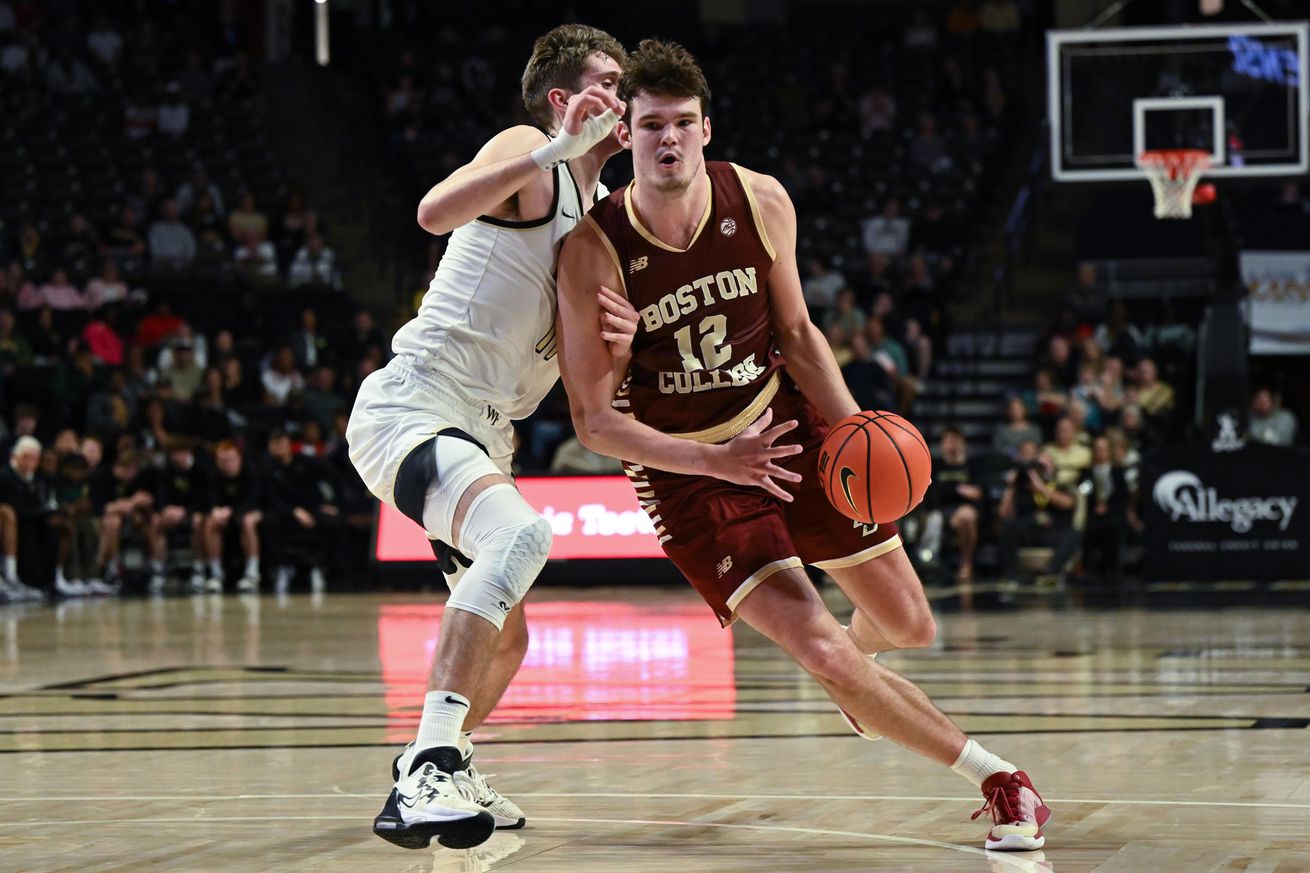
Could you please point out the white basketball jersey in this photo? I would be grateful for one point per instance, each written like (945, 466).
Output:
(487, 321)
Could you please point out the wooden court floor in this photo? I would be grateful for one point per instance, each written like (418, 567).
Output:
(256, 735)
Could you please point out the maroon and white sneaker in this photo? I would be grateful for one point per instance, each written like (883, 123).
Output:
(1018, 813)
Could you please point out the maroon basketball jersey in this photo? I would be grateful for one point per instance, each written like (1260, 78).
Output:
(703, 359)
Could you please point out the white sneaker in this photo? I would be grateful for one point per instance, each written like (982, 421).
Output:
(20, 593)
(157, 584)
(317, 581)
(426, 803)
(99, 587)
(214, 585)
(282, 582)
(248, 584)
(473, 785)
(70, 587)
(197, 583)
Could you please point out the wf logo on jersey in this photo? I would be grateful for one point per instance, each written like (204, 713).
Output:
(723, 566)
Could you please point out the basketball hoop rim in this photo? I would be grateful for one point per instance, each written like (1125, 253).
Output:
(1188, 160)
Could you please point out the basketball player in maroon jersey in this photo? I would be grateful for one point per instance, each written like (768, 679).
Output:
(705, 252)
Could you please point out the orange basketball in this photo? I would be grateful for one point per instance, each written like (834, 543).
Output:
(875, 467)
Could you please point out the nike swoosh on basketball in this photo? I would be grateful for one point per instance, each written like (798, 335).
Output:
(846, 474)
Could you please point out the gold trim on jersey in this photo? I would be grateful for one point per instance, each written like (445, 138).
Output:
(740, 421)
(609, 247)
(755, 213)
(861, 557)
(650, 237)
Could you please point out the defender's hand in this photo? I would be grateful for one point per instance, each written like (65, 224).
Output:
(618, 322)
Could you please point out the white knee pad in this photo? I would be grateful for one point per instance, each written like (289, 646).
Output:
(509, 543)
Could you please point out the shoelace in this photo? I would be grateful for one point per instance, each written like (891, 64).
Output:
(482, 792)
(1003, 803)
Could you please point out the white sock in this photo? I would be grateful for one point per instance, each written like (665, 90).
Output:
(197, 568)
(252, 567)
(466, 743)
(443, 716)
(11, 567)
(216, 568)
(60, 578)
(976, 764)
(157, 568)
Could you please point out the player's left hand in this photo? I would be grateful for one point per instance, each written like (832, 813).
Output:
(618, 322)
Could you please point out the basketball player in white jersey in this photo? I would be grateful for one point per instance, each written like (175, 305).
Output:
(431, 433)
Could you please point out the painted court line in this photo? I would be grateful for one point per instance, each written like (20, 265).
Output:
(206, 798)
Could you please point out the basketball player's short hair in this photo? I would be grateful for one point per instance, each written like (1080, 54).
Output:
(559, 58)
(666, 69)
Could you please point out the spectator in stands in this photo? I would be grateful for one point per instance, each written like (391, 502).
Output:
(868, 380)
(1036, 510)
(314, 264)
(877, 112)
(294, 509)
(123, 240)
(76, 572)
(140, 115)
(1085, 296)
(146, 200)
(1270, 423)
(957, 493)
(928, 149)
(993, 95)
(182, 374)
(189, 194)
(364, 335)
(183, 490)
(195, 85)
(256, 258)
(1105, 483)
(46, 340)
(1117, 336)
(16, 283)
(1068, 456)
(822, 283)
(108, 287)
(1156, 398)
(1087, 392)
(101, 336)
(112, 409)
(15, 351)
(891, 354)
(292, 223)
(246, 217)
(322, 401)
(58, 293)
(66, 74)
(124, 498)
(174, 114)
(840, 343)
(280, 376)
(918, 348)
(1016, 430)
(32, 251)
(848, 318)
(1061, 363)
(307, 344)
(887, 233)
(28, 509)
(104, 43)
(234, 501)
(80, 244)
(215, 420)
(172, 244)
(207, 223)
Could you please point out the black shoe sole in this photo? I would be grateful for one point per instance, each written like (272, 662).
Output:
(464, 833)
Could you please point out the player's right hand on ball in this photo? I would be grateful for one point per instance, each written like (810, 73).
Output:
(749, 458)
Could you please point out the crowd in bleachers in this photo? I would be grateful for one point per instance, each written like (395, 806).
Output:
(1062, 472)
(162, 364)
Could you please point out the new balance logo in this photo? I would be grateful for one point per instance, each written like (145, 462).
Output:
(724, 566)
(638, 264)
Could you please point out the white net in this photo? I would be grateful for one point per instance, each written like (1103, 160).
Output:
(1174, 174)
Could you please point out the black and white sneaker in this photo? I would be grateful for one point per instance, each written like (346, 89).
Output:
(473, 785)
(427, 803)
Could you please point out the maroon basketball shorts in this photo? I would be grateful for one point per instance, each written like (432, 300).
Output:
(727, 539)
